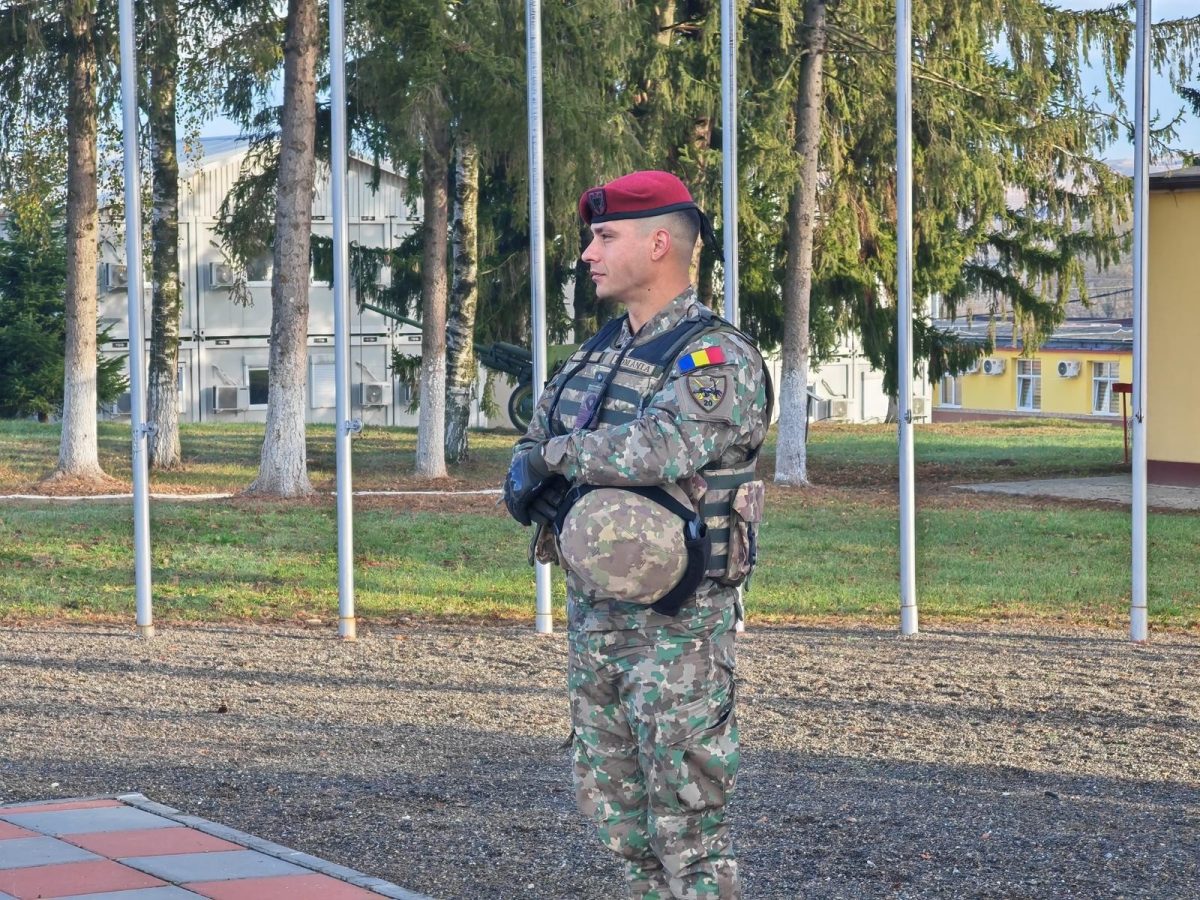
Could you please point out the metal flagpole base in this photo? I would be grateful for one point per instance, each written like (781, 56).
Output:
(348, 628)
(544, 613)
(1138, 625)
(145, 631)
(908, 620)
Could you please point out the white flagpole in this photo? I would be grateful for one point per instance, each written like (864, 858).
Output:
(137, 348)
(537, 253)
(729, 165)
(729, 171)
(347, 625)
(1138, 627)
(904, 363)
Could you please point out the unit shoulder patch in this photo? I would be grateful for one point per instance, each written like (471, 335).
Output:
(708, 390)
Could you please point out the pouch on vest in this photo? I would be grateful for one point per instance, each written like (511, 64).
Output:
(745, 515)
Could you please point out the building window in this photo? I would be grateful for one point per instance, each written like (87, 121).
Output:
(259, 269)
(322, 383)
(950, 391)
(259, 386)
(1029, 384)
(1104, 398)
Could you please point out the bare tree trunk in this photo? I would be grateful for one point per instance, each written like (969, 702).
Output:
(431, 427)
(78, 453)
(791, 458)
(164, 239)
(283, 469)
(461, 369)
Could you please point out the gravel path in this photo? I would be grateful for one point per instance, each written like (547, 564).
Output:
(1008, 762)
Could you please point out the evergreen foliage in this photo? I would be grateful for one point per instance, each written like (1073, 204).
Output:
(33, 278)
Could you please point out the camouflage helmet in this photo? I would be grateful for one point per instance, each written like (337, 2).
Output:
(623, 546)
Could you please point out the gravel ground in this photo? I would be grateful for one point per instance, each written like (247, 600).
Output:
(1015, 761)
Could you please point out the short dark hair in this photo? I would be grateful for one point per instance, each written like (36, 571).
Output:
(685, 226)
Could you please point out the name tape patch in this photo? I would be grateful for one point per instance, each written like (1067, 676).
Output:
(709, 356)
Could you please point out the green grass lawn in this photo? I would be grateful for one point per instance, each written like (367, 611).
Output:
(225, 457)
(827, 552)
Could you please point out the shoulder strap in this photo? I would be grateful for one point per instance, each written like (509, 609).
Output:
(604, 336)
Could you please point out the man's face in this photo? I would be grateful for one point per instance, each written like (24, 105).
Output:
(619, 258)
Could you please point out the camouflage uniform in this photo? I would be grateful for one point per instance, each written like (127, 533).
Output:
(652, 696)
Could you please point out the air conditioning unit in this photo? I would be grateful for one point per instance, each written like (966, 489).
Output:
(920, 406)
(839, 408)
(123, 405)
(1068, 368)
(993, 366)
(114, 276)
(230, 398)
(374, 393)
(971, 369)
(221, 275)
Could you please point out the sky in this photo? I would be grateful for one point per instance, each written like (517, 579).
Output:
(1163, 99)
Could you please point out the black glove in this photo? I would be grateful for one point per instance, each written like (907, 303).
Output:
(543, 508)
(526, 477)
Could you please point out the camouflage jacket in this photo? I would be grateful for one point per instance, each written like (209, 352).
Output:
(713, 415)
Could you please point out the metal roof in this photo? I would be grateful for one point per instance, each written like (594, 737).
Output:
(1071, 335)
(1187, 178)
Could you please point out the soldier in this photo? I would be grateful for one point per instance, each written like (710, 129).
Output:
(638, 471)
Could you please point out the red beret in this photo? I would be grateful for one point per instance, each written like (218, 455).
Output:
(635, 196)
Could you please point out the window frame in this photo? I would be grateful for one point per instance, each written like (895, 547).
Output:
(956, 383)
(1034, 378)
(261, 282)
(250, 370)
(1111, 380)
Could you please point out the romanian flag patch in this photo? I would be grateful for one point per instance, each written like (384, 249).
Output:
(709, 356)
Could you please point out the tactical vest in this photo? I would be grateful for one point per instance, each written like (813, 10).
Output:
(605, 386)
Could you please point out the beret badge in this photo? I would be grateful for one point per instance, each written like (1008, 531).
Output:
(597, 201)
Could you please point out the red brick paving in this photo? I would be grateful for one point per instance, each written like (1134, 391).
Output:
(73, 878)
(8, 832)
(61, 880)
(149, 842)
(282, 887)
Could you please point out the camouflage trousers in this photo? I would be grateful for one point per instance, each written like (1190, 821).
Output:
(656, 753)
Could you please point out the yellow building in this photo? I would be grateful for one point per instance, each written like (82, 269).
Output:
(1075, 374)
(1173, 326)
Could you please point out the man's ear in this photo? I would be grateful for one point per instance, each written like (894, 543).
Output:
(660, 245)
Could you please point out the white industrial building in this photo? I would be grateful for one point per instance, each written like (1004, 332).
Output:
(224, 346)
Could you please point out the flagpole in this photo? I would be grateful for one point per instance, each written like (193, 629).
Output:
(1138, 625)
(537, 255)
(729, 164)
(347, 624)
(137, 347)
(904, 362)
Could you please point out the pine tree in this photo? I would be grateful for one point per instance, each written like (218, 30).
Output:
(58, 56)
(461, 368)
(162, 57)
(283, 466)
(33, 275)
(1011, 195)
